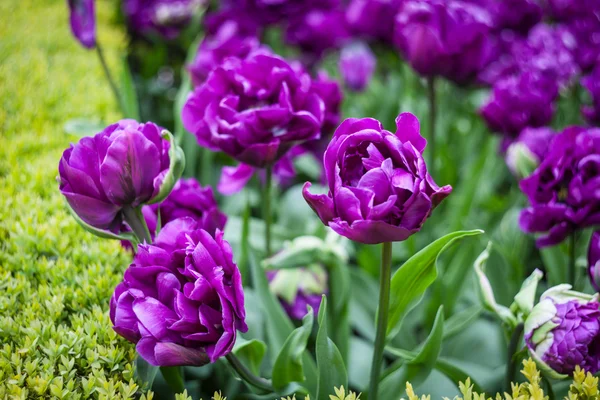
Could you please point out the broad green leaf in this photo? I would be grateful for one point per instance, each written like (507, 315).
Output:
(330, 365)
(83, 127)
(279, 326)
(288, 365)
(415, 276)
(555, 261)
(145, 372)
(251, 353)
(461, 320)
(339, 294)
(128, 93)
(174, 378)
(455, 374)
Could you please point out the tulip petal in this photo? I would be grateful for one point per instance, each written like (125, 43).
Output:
(320, 203)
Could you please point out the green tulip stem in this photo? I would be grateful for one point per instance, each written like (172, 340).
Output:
(109, 78)
(267, 207)
(137, 223)
(432, 123)
(246, 375)
(572, 256)
(174, 378)
(511, 365)
(382, 317)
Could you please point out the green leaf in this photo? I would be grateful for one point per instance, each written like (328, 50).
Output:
(415, 276)
(176, 166)
(339, 293)
(145, 372)
(461, 320)
(455, 374)
(279, 326)
(330, 365)
(129, 94)
(174, 378)
(251, 353)
(288, 365)
(83, 127)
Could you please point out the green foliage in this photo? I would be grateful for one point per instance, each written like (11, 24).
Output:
(56, 280)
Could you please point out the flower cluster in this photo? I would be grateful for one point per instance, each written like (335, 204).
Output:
(562, 191)
(166, 18)
(181, 300)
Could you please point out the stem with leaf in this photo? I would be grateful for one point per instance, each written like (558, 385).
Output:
(247, 375)
(174, 378)
(511, 365)
(382, 317)
(109, 78)
(267, 207)
(136, 221)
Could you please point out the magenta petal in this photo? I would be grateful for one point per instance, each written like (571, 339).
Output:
(320, 203)
(92, 211)
(233, 179)
(127, 172)
(370, 232)
(408, 131)
(171, 354)
(154, 316)
(145, 348)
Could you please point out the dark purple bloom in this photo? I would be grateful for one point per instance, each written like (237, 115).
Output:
(529, 148)
(254, 109)
(163, 17)
(564, 192)
(228, 41)
(503, 63)
(274, 11)
(518, 102)
(516, 15)
(372, 19)
(594, 260)
(379, 188)
(298, 288)
(586, 31)
(245, 23)
(592, 84)
(317, 31)
(565, 10)
(330, 92)
(125, 165)
(444, 37)
(357, 65)
(83, 21)
(563, 331)
(181, 300)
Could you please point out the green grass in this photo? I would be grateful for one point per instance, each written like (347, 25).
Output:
(56, 339)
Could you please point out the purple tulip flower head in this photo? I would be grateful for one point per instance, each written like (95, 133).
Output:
(298, 288)
(83, 21)
(330, 92)
(444, 37)
(123, 167)
(274, 11)
(357, 65)
(518, 102)
(567, 10)
(254, 109)
(564, 190)
(586, 32)
(592, 83)
(527, 152)
(228, 41)
(163, 17)
(379, 187)
(517, 15)
(563, 331)
(181, 300)
(317, 31)
(372, 19)
(594, 260)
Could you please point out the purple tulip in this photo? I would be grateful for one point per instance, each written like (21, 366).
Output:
(246, 25)
(330, 92)
(562, 332)
(527, 152)
(298, 288)
(592, 83)
(518, 102)
(254, 109)
(128, 164)
(163, 17)
(379, 188)
(274, 11)
(586, 31)
(317, 31)
(563, 192)
(357, 65)
(372, 19)
(444, 37)
(518, 15)
(83, 22)
(566, 10)
(181, 300)
(594, 260)
(227, 42)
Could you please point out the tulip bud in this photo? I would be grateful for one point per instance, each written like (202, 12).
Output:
(357, 64)
(563, 332)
